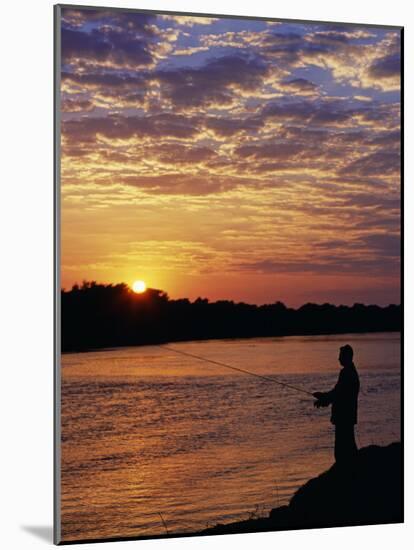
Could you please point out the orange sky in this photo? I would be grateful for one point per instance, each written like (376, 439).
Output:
(231, 159)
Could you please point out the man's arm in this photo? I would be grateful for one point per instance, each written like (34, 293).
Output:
(324, 399)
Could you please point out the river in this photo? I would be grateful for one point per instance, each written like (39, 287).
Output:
(153, 441)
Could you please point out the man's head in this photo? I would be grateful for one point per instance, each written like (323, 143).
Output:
(346, 355)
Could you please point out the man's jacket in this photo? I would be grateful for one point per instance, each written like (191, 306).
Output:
(344, 397)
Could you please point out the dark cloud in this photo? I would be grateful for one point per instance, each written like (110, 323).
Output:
(127, 49)
(371, 199)
(117, 40)
(122, 88)
(333, 27)
(213, 83)
(105, 80)
(79, 44)
(70, 105)
(392, 139)
(300, 85)
(306, 134)
(384, 244)
(291, 48)
(327, 112)
(385, 223)
(386, 67)
(86, 129)
(283, 38)
(226, 127)
(380, 114)
(332, 244)
(292, 110)
(76, 151)
(140, 22)
(322, 112)
(267, 168)
(270, 151)
(174, 153)
(352, 137)
(368, 254)
(380, 163)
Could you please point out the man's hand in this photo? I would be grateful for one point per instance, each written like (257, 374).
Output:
(321, 401)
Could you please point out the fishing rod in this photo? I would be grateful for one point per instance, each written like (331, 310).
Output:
(220, 364)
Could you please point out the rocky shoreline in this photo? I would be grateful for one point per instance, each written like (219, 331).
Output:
(371, 492)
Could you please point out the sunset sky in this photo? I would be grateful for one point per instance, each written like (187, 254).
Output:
(231, 159)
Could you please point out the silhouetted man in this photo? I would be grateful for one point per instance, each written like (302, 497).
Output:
(344, 400)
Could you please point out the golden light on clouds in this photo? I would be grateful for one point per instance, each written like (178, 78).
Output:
(262, 165)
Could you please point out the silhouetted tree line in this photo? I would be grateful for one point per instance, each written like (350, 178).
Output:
(102, 316)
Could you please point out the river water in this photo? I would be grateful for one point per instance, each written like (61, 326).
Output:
(153, 441)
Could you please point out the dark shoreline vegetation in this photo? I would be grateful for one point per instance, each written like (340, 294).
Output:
(96, 316)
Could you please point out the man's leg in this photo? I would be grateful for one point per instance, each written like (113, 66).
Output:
(345, 445)
(353, 449)
(338, 444)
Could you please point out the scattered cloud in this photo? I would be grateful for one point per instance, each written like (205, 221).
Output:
(276, 146)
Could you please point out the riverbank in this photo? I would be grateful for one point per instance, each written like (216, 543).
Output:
(96, 316)
(369, 493)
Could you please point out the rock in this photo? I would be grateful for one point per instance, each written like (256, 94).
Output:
(368, 492)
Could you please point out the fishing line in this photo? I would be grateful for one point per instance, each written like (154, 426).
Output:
(220, 364)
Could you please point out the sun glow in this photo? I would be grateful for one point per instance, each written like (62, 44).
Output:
(139, 287)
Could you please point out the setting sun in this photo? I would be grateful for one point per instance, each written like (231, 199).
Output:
(139, 287)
